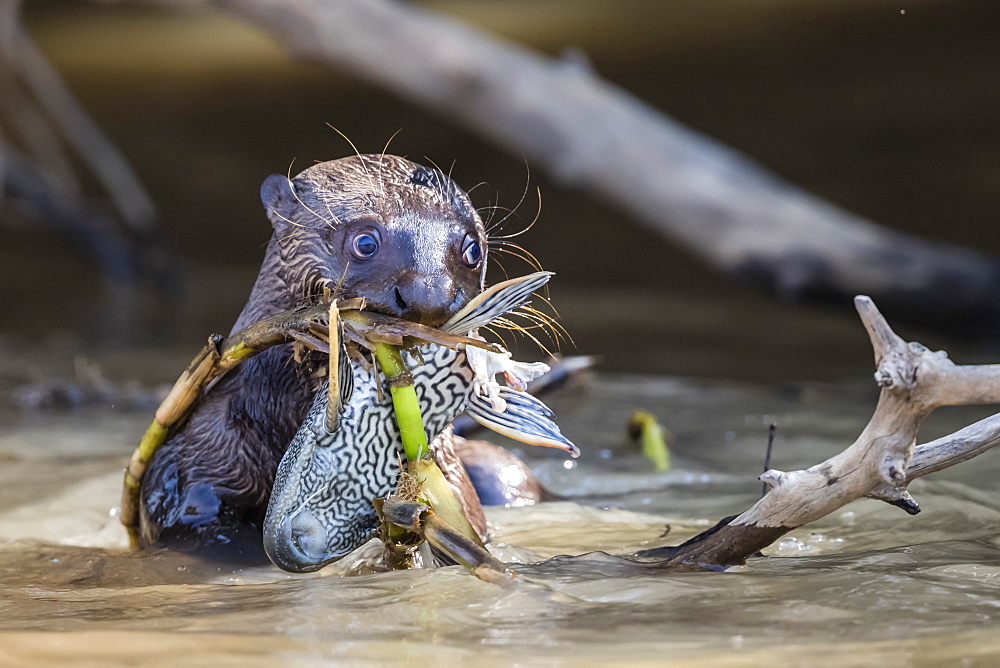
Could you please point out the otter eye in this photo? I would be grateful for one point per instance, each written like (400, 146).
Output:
(472, 252)
(365, 245)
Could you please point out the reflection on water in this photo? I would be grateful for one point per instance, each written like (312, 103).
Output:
(868, 584)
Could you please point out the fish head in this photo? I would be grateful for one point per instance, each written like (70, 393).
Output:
(320, 531)
(321, 503)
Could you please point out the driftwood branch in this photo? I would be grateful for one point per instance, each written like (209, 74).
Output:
(589, 133)
(956, 448)
(879, 464)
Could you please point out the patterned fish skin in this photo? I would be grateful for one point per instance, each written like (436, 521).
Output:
(321, 505)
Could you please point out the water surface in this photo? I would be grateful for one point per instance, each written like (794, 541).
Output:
(868, 584)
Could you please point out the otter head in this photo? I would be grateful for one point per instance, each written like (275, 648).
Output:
(399, 234)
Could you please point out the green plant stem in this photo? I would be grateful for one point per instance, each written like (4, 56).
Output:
(404, 401)
(438, 494)
(653, 439)
(434, 488)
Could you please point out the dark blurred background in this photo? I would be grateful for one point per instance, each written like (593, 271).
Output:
(890, 109)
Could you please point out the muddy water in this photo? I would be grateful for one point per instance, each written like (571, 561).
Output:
(868, 584)
(899, 128)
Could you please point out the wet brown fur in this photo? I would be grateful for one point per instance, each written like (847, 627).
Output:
(209, 484)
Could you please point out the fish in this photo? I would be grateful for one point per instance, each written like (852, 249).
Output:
(344, 456)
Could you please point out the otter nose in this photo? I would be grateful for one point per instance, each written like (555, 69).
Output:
(427, 300)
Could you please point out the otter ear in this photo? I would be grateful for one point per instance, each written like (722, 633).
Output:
(278, 196)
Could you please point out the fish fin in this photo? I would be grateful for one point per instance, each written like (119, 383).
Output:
(495, 301)
(524, 419)
(341, 375)
(346, 377)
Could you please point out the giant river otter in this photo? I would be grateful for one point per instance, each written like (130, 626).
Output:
(401, 235)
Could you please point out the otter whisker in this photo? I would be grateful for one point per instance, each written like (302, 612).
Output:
(495, 334)
(381, 161)
(443, 182)
(281, 240)
(502, 268)
(481, 183)
(338, 289)
(541, 321)
(524, 193)
(555, 330)
(288, 220)
(538, 214)
(361, 158)
(330, 223)
(548, 302)
(514, 254)
(304, 205)
(332, 215)
(437, 175)
(493, 207)
(488, 224)
(516, 251)
(558, 330)
(512, 326)
(381, 157)
(296, 194)
(510, 245)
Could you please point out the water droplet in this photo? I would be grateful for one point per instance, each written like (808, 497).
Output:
(569, 464)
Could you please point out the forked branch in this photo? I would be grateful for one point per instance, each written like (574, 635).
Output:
(879, 464)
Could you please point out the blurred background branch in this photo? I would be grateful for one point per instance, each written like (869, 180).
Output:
(50, 148)
(591, 134)
(885, 114)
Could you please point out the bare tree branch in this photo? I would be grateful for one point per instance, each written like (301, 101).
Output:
(589, 133)
(881, 462)
(86, 138)
(49, 129)
(955, 448)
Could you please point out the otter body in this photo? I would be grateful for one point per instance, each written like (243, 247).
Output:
(402, 236)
